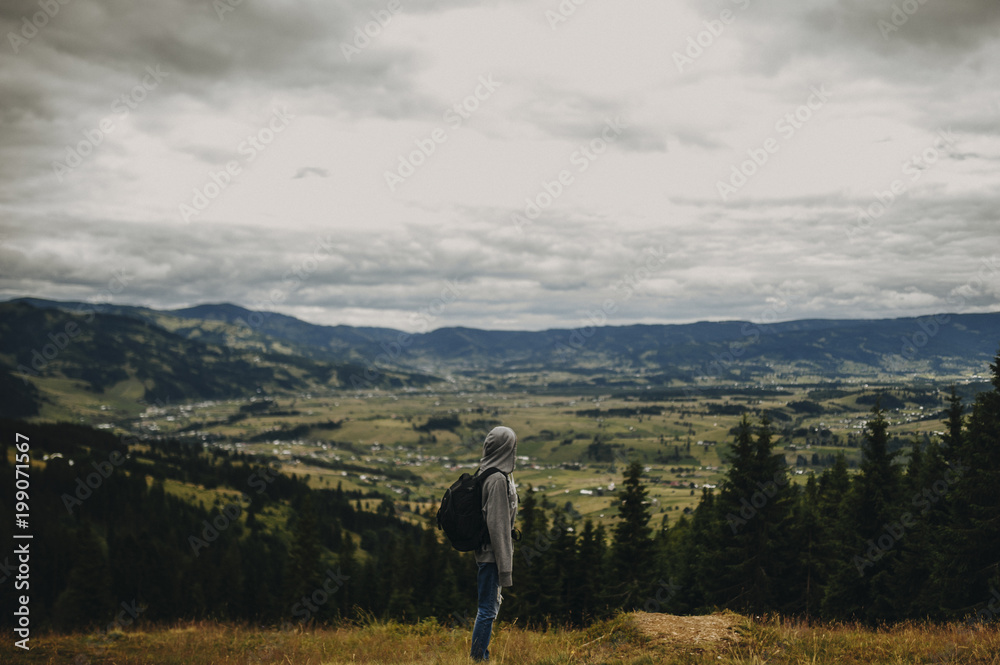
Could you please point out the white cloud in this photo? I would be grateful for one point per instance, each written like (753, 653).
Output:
(321, 179)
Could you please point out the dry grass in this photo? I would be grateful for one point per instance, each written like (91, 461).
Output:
(633, 639)
(671, 629)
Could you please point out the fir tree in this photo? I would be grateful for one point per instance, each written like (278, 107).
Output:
(812, 542)
(304, 574)
(587, 588)
(633, 546)
(698, 540)
(869, 529)
(347, 568)
(537, 575)
(925, 498)
(972, 571)
(755, 502)
(86, 601)
(398, 568)
(953, 437)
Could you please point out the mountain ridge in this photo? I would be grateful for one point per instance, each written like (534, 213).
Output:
(210, 311)
(937, 343)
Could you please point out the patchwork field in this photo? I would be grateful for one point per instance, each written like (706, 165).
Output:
(411, 444)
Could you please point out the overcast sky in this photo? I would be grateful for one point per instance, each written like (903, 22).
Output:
(504, 164)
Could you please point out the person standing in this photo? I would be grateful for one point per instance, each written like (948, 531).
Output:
(495, 558)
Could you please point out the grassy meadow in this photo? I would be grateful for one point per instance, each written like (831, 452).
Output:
(377, 442)
(615, 641)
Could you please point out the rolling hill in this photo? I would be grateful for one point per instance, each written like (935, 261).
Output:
(223, 350)
(53, 354)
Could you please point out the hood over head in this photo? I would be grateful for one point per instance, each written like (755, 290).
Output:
(499, 449)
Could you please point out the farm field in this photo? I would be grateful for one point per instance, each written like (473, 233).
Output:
(409, 445)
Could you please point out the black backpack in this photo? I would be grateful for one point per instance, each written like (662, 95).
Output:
(461, 512)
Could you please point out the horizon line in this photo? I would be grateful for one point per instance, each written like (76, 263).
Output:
(759, 324)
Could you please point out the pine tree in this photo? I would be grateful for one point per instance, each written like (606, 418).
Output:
(397, 565)
(587, 587)
(809, 569)
(304, 574)
(86, 601)
(972, 573)
(633, 545)
(537, 575)
(953, 438)
(347, 568)
(913, 583)
(563, 553)
(755, 501)
(698, 542)
(868, 528)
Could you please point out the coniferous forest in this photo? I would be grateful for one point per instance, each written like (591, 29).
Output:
(913, 533)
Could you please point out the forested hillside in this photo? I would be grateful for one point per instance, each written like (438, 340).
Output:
(914, 533)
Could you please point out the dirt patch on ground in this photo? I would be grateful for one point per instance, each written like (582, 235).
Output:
(668, 628)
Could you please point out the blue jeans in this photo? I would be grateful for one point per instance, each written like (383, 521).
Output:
(489, 604)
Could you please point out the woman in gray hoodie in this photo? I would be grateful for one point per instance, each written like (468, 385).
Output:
(495, 559)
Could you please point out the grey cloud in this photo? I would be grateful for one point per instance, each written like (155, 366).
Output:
(311, 171)
(577, 116)
(733, 259)
(66, 78)
(928, 41)
(697, 138)
(546, 279)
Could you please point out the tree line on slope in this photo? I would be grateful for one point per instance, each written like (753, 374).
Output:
(914, 538)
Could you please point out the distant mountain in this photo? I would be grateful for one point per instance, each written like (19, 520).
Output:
(244, 347)
(233, 325)
(66, 347)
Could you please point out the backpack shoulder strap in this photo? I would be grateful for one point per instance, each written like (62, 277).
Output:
(482, 474)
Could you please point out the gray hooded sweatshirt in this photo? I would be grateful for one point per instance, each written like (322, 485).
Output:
(499, 501)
